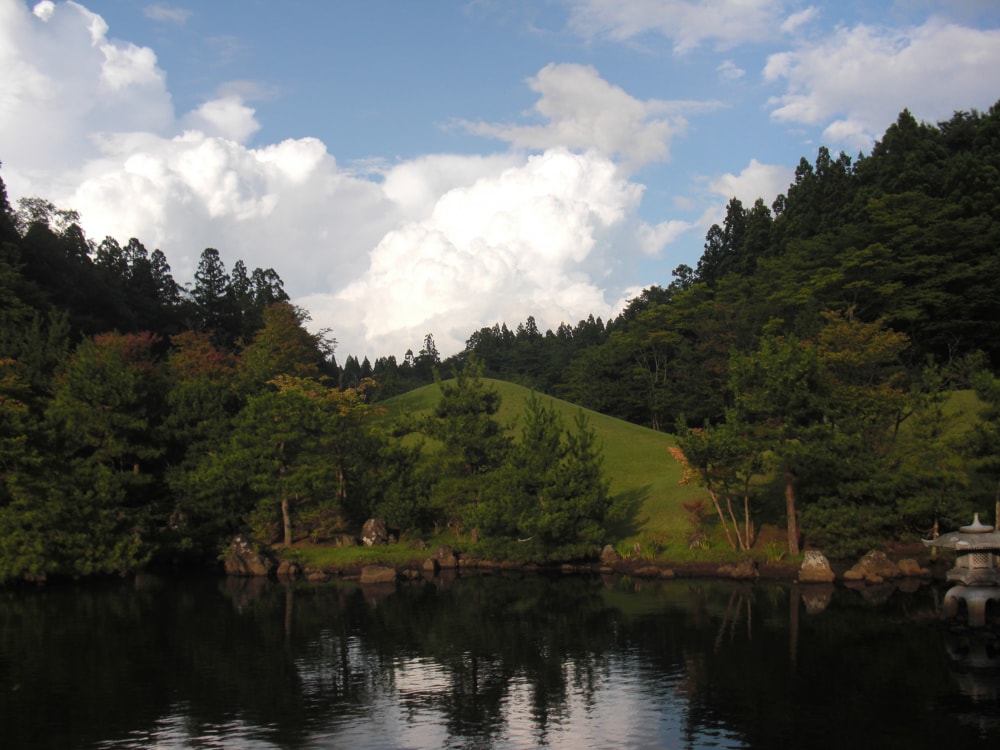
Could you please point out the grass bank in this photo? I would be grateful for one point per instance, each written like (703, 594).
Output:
(644, 478)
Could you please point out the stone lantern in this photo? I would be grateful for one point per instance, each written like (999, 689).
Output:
(975, 571)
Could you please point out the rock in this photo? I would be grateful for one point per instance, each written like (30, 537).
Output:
(745, 568)
(647, 571)
(911, 568)
(317, 576)
(609, 555)
(666, 573)
(244, 559)
(378, 574)
(430, 565)
(245, 590)
(815, 568)
(445, 556)
(374, 533)
(874, 567)
(817, 598)
(288, 569)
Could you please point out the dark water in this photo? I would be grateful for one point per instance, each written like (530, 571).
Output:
(490, 662)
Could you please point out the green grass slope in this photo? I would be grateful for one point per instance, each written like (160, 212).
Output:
(644, 476)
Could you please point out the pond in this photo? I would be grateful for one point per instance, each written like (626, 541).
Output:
(491, 662)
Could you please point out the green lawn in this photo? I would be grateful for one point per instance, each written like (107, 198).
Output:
(644, 476)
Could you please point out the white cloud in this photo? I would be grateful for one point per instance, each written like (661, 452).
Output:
(653, 239)
(226, 117)
(167, 13)
(64, 80)
(442, 243)
(527, 241)
(689, 23)
(729, 71)
(415, 186)
(797, 20)
(286, 205)
(583, 111)
(755, 181)
(44, 9)
(128, 65)
(857, 81)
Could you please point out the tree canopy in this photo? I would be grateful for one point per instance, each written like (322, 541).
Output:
(802, 362)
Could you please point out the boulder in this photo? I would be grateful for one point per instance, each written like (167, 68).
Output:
(745, 568)
(874, 567)
(445, 556)
(817, 598)
(378, 574)
(245, 559)
(609, 555)
(288, 569)
(815, 568)
(374, 533)
(911, 568)
(430, 565)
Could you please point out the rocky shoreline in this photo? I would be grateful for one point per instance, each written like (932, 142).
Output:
(876, 567)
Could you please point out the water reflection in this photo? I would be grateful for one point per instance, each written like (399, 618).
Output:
(491, 661)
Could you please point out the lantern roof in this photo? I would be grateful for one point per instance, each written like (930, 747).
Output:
(977, 536)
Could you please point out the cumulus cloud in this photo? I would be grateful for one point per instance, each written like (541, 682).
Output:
(757, 180)
(65, 80)
(529, 240)
(654, 238)
(226, 117)
(730, 71)
(286, 205)
(442, 243)
(44, 9)
(857, 81)
(415, 186)
(582, 110)
(689, 23)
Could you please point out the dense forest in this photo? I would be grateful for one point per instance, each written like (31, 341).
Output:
(804, 365)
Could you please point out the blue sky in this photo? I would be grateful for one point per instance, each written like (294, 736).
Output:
(434, 167)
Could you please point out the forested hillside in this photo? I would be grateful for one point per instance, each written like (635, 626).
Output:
(908, 235)
(815, 338)
(805, 360)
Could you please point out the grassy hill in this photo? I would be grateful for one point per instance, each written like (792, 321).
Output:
(644, 476)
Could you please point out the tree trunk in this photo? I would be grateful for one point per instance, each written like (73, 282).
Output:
(286, 518)
(793, 524)
(722, 517)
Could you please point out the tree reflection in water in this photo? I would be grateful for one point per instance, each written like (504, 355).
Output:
(484, 661)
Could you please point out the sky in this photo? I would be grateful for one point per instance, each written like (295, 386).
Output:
(435, 167)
